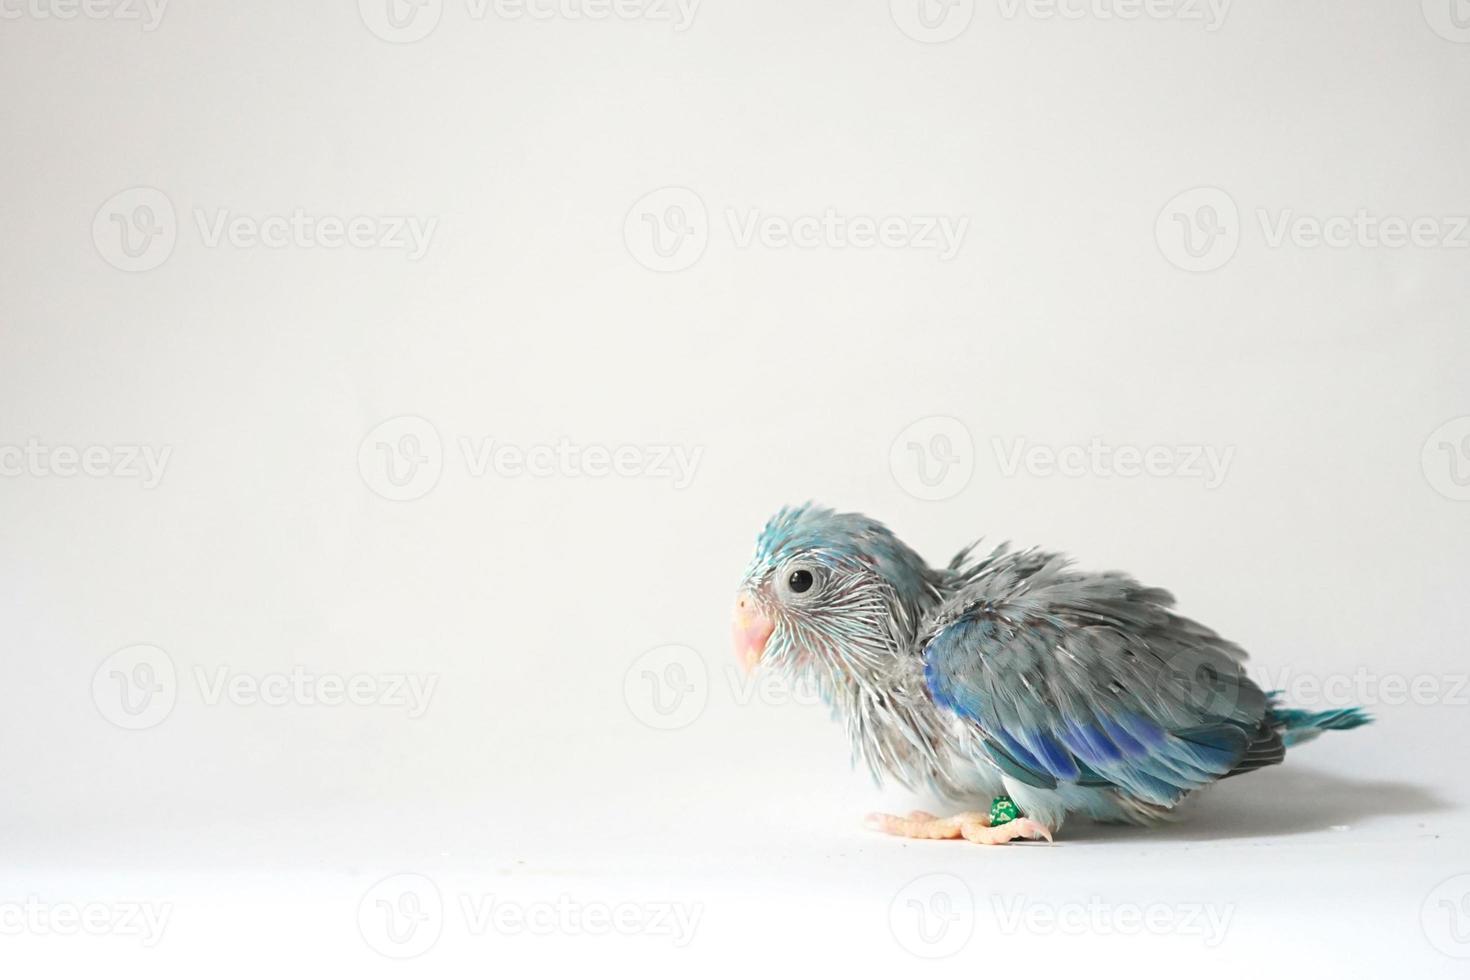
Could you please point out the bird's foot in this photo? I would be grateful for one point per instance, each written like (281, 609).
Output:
(973, 826)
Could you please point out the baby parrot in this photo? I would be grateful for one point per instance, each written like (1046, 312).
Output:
(1011, 674)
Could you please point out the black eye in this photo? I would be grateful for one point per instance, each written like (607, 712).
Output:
(800, 580)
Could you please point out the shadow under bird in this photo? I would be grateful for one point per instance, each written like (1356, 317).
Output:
(1006, 675)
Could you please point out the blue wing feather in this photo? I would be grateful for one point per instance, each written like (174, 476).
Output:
(1089, 679)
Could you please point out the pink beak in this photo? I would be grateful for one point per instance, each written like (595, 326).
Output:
(751, 630)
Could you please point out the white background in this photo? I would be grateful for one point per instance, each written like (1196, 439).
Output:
(282, 379)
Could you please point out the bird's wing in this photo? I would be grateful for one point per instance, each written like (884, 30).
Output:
(1090, 679)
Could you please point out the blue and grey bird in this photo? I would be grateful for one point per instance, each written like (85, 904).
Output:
(1011, 674)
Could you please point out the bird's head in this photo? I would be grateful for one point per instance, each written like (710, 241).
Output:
(829, 595)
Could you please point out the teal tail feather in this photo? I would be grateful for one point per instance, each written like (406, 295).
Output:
(1297, 726)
